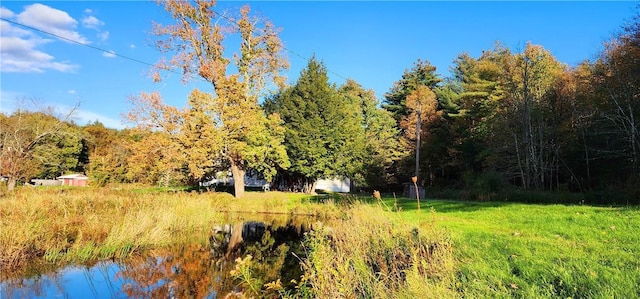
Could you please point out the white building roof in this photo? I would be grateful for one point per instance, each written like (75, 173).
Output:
(77, 176)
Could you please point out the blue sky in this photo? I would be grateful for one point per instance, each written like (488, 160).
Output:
(371, 42)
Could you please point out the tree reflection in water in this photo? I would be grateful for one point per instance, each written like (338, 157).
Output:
(185, 271)
(198, 271)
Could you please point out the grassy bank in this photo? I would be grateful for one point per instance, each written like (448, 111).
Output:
(83, 224)
(510, 250)
(385, 249)
(358, 251)
(372, 254)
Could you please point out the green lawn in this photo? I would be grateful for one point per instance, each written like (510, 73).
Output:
(537, 251)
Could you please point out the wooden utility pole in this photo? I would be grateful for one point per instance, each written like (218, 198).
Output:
(415, 178)
(418, 140)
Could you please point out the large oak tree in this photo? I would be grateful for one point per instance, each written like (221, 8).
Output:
(229, 117)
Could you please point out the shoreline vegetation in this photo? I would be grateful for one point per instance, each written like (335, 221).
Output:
(80, 224)
(364, 247)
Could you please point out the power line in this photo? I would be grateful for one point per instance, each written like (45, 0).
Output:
(77, 42)
(97, 48)
(291, 51)
(144, 62)
(283, 47)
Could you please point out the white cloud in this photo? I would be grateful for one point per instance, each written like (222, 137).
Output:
(132, 46)
(92, 22)
(20, 55)
(6, 29)
(103, 36)
(71, 91)
(6, 13)
(52, 20)
(20, 49)
(109, 54)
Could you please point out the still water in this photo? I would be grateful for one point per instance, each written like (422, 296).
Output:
(187, 271)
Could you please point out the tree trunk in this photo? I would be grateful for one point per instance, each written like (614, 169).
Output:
(313, 186)
(633, 133)
(11, 184)
(522, 176)
(586, 158)
(309, 186)
(306, 188)
(238, 179)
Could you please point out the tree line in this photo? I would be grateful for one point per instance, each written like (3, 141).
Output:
(505, 119)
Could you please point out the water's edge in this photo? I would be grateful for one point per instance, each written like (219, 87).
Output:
(203, 271)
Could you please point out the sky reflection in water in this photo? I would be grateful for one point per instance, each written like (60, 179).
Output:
(194, 271)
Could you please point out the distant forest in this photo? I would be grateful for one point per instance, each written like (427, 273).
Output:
(505, 120)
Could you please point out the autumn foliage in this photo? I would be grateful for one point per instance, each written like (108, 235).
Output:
(224, 127)
(502, 122)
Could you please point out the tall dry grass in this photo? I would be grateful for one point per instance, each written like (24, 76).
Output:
(360, 250)
(83, 224)
(368, 255)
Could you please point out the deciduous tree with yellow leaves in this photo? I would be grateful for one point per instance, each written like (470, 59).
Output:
(226, 125)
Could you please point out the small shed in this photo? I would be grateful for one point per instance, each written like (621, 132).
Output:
(77, 180)
(410, 191)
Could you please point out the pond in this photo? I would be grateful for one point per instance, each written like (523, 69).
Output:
(268, 250)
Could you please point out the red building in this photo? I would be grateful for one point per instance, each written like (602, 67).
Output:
(78, 180)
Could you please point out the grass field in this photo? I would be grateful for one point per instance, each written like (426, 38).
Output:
(511, 250)
(384, 248)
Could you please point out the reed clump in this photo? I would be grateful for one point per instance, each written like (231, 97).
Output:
(369, 255)
(83, 224)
